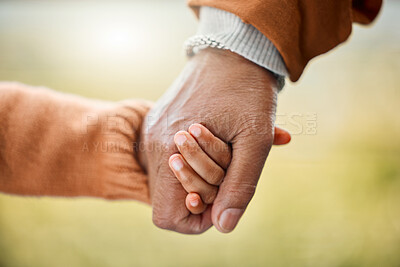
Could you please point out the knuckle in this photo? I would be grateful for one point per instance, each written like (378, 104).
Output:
(162, 222)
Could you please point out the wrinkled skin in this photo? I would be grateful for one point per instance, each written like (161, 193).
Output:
(236, 100)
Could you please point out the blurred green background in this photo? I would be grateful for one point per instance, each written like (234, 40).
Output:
(330, 198)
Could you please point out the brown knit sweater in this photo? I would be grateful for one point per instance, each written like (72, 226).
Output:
(54, 144)
(299, 29)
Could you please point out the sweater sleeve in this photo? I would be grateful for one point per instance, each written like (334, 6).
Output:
(299, 29)
(54, 144)
(241, 38)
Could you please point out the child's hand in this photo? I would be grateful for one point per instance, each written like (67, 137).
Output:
(202, 163)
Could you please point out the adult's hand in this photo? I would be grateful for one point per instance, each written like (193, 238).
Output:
(236, 100)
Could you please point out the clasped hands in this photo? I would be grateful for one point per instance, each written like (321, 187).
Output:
(215, 126)
(236, 101)
(201, 164)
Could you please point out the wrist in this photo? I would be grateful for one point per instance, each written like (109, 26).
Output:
(234, 66)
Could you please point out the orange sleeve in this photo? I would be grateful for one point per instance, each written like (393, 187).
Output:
(54, 144)
(299, 29)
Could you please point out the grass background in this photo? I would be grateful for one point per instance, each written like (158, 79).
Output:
(330, 198)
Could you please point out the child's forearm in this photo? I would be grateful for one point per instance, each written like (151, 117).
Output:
(53, 144)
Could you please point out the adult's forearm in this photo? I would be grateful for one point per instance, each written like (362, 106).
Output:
(54, 144)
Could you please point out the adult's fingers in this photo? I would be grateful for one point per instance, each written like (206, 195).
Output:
(249, 154)
(169, 210)
(281, 136)
(191, 223)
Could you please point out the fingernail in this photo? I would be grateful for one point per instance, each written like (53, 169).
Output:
(180, 138)
(177, 164)
(229, 219)
(195, 130)
(194, 202)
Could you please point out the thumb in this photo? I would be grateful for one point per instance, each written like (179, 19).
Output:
(238, 187)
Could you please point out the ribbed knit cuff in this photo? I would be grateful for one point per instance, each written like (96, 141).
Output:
(241, 38)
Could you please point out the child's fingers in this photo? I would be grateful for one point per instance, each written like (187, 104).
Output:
(190, 180)
(194, 203)
(281, 136)
(200, 162)
(217, 149)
